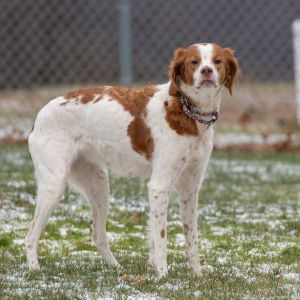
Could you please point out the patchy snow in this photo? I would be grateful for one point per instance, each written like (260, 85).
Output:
(197, 294)
(205, 244)
(113, 236)
(16, 184)
(206, 268)
(291, 276)
(217, 230)
(18, 242)
(63, 231)
(170, 286)
(294, 291)
(222, 260)
(180, 239)
(222, 140)
(282, 245)
(267, 268)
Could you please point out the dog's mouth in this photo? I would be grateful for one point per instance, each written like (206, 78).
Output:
(207, 83)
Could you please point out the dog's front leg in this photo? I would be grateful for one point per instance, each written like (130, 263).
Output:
(162, 180)
(188, 186)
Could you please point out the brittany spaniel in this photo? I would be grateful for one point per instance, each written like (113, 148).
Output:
(163, 132)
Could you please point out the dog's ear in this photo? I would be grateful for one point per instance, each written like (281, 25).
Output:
(232, 68)
(176, 69)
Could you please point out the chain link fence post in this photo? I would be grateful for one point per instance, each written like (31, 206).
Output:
(125, 42)
(296, 42)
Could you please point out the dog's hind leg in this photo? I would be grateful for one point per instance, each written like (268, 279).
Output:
(51, 172)
(92, 182)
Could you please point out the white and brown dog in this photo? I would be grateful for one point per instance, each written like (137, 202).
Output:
(163, 132)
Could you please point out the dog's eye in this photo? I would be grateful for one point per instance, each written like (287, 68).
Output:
(194, 62)
(217, 61)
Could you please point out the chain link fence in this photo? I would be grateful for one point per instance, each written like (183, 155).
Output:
(67, 41)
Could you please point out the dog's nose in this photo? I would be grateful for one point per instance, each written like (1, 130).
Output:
(206, 71)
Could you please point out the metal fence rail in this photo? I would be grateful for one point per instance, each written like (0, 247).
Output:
(66, 41)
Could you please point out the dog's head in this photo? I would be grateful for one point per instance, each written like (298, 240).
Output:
(203, 66)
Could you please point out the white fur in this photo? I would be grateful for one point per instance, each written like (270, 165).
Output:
(206, 53)
(80, 143)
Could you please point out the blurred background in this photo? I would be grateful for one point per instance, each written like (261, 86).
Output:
(48, 48)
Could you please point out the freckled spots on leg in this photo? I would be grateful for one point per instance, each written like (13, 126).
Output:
(183, 159)
(155, 197)
(156, 216)
(162, 233)
(186, 228)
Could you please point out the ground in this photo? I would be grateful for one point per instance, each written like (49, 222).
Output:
(249, 221)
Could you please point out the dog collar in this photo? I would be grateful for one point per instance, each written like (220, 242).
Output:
(195, 114)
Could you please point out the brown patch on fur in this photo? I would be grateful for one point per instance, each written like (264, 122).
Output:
(162, 233)
(134, 101)
(179, 121)
(228, 68)
(85, 95)
(140, 135)
(185, 229)
(181, 67)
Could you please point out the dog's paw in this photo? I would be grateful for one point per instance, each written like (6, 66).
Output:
(199, 270)
(151, 261)
(161, 271)
(115, 263)
(34, 266)
(196, 270)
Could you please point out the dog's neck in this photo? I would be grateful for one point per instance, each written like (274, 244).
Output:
(206, 99)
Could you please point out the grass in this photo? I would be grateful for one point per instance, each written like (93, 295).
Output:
(249, 236)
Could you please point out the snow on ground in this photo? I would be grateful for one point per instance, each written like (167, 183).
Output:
(222, 140)
(226, 221)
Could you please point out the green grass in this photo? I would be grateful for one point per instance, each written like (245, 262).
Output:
(249, 226)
